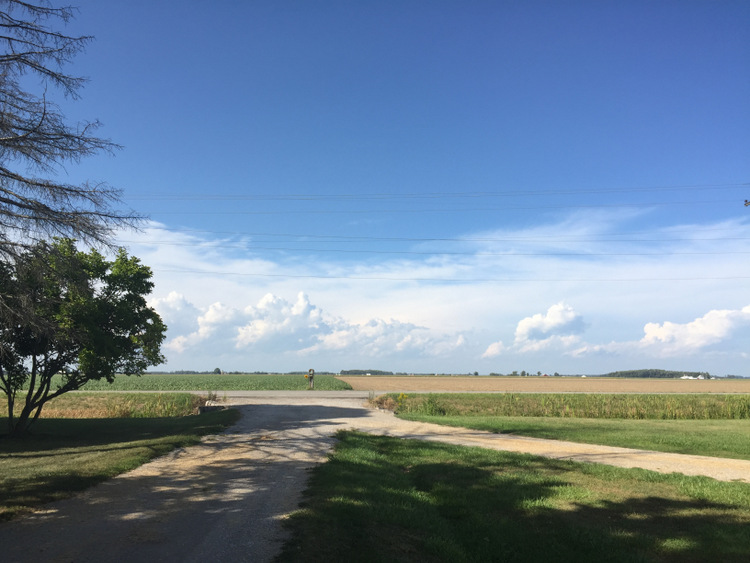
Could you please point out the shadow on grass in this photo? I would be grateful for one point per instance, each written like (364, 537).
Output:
(384, 499)
(64, 456)
(50, 433)
(220, 501)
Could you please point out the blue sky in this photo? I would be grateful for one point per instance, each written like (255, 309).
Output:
(432, 186)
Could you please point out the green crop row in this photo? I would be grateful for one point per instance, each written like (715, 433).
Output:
(208, 382)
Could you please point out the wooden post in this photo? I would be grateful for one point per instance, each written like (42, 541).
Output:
(310, 377)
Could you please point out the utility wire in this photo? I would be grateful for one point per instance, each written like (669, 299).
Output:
(535, 238)
(453, 280)
(454, 210)
(252, 248)
(429, 195)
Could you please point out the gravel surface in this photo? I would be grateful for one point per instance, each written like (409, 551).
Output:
(224, 500)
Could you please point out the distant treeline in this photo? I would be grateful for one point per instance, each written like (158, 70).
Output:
(365, 372)
(656, 373)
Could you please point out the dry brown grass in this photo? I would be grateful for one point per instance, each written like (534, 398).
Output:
(116, 405)
(487, 384)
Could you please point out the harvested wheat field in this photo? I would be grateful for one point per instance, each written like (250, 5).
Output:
(487, 384)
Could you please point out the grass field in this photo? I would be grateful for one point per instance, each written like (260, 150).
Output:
(65, 455)
(202, 382)
(384, 499)
(712, 425)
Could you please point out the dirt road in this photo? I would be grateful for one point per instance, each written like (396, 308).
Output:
(224, 499)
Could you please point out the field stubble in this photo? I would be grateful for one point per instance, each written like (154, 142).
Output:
(502, 384)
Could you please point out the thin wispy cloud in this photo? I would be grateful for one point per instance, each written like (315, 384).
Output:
(466, 310)
(507, 199)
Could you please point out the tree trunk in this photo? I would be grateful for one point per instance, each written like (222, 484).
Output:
(22, 424)
(11, 403)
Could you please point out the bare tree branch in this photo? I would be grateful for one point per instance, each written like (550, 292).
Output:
(36, 140)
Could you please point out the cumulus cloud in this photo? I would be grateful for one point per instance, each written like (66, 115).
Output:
(670, 339)
(713, 327)
(215, 323)
(175, 310)
(559, 320)
(495, 349)
(180, 316)
(276, 321)
(381, 307)
(559, 327)
(387, 338)
(276, 325)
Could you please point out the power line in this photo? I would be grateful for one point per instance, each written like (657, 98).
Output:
(535, 238)
(440, 253)
(430, 195)
(428, 210)
(455, 280)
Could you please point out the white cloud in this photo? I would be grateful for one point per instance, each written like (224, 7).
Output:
(180, 316)
(213, 324)
(495, 349)
(299, 328)
(670, 339)
(388, 338)
(712, 328)
(558, 328)
(560, 320)
(381, 307)
(275, 321)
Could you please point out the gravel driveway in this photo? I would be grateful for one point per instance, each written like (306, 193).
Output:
(223, 500)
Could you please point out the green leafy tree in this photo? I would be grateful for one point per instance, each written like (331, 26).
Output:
(79, 317)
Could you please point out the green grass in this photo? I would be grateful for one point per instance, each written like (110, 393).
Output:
(64, 456)
(386, 499)
(716, 438)
(202, 382)
(658, 426)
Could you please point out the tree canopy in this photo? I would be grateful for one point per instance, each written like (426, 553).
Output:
(75, 317)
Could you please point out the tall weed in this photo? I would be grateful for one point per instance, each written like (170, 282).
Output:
(582, 405)
(121, 405)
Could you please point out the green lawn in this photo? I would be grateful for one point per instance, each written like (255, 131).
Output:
(385, 499)
(717, 438)
(687, 424)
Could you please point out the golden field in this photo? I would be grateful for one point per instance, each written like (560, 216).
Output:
(502, 384)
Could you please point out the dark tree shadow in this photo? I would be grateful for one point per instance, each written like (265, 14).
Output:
(471, 507)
